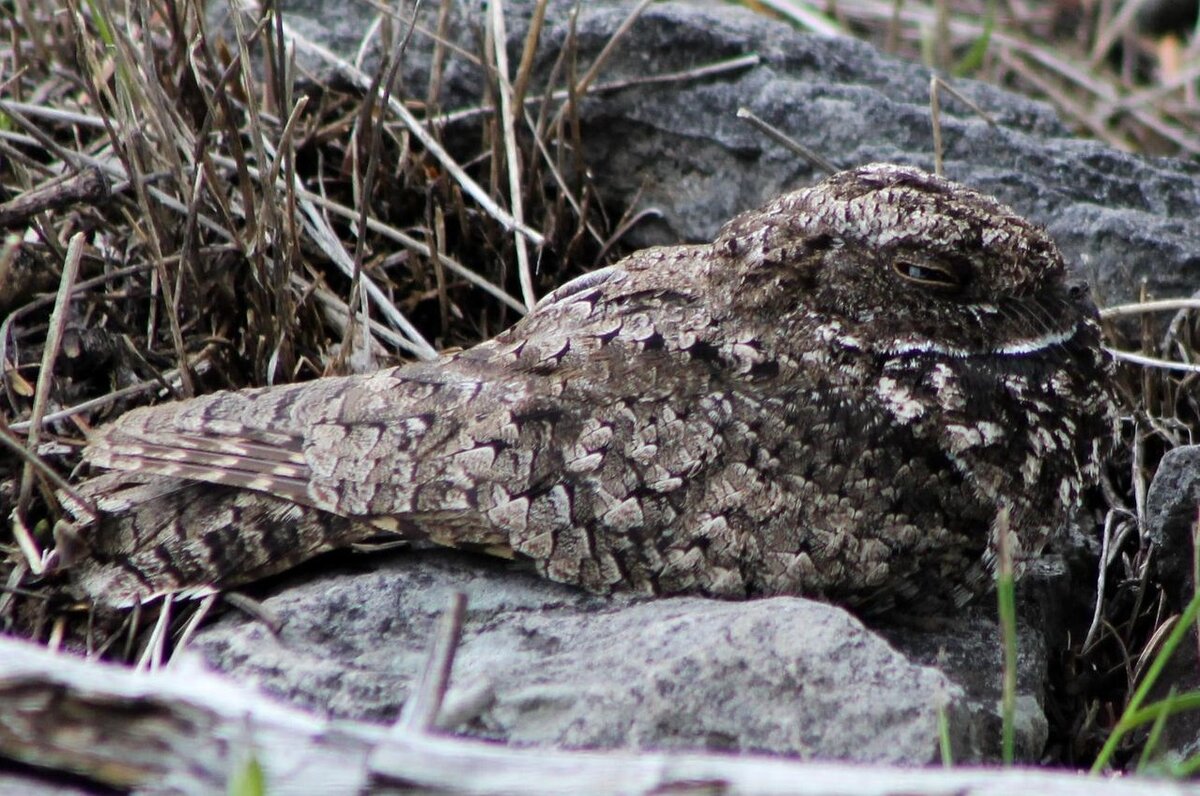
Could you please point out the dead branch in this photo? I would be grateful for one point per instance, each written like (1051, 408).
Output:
(87, 187)
(184, 730)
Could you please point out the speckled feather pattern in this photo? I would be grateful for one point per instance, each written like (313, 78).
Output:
(837, 397)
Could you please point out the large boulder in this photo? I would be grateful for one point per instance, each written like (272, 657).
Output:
(784, 675)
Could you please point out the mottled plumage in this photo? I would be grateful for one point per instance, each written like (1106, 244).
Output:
(836, 397)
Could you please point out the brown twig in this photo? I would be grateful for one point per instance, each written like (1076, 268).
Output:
(46, 471)
(58, 324)
(87, 187)
(419, 130)
(702, 72)
(786, 141)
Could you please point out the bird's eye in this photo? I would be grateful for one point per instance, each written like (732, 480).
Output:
(927, 274)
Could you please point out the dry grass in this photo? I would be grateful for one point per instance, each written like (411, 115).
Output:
(240, 234)
(1133, 613)
(1126, 73)
(209, 220)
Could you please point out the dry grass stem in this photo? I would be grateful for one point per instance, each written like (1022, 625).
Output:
(193, 624)
(419, 131)
(57, 324)
(1142, 307)
(1099, 81)
(425, 702)
(508, 126)
(1153, 362)
(783, 139)
(715, 69)
(153, 653)
(806, 15)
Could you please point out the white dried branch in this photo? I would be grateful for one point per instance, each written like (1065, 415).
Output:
(181, 730)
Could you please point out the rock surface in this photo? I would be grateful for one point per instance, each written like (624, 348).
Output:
(1172, 511)
(1172, 503)
(782, 675)
(34, 784)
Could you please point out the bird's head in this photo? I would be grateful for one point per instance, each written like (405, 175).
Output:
(919, 261)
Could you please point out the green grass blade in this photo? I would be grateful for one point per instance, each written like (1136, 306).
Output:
(100, 18)
(1006, 597)
(1132, 717)
(944, 745)
(972, 60)
(248, 779)
(1160, 721)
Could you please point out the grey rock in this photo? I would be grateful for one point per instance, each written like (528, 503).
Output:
(1172, 503)
(31, 783)
(969, 652)
(1121, 217)
(782, 675)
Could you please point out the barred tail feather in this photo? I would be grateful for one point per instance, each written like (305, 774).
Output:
(191, 539)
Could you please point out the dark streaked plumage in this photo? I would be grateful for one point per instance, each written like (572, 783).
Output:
(837, 397)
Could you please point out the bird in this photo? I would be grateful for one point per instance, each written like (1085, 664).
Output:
(859, 392)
